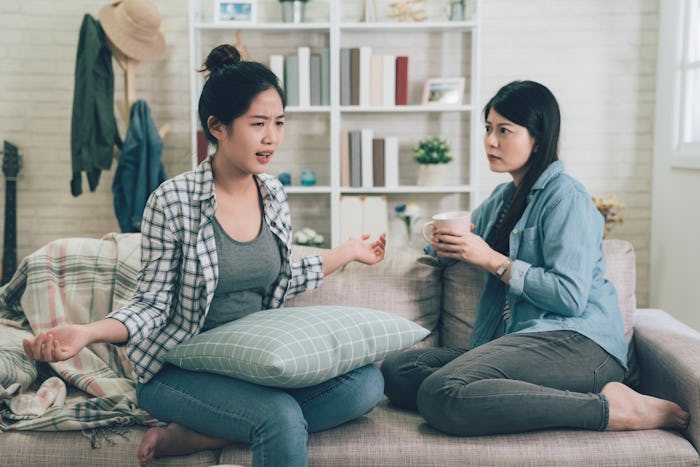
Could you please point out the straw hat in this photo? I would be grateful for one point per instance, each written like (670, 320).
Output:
(133, 26)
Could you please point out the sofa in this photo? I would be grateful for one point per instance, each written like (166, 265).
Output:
(664, 361)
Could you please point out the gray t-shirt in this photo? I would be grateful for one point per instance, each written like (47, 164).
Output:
(246, 271)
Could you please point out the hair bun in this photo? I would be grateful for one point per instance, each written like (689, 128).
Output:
(221, 56)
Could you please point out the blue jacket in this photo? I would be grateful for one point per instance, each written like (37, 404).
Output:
(556, 280)
(140, 170)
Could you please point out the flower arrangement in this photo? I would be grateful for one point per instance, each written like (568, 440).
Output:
(408, 213)
(432, 150)
(308, 237)
(611, 209)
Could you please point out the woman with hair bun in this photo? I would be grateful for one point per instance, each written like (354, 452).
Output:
(548, 348)
(216, 247)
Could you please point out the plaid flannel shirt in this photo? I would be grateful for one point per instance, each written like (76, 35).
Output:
(179, 265)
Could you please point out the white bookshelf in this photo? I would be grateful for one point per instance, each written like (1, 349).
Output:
(436, 48)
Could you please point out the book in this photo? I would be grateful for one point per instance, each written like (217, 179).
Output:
(362, 214)
(202, 146)
(351, 217)
(389, 81)
(325, 76)
(304, 57)
(355, 76)
(345, 73)
(355, 159)
(374, 216)
(277, 67)
(366, 137)
(378, 164)
(291, 79)
(365, 74)
(345, 158)
(391, 161)
(376, 84)
(402, 80)
(315, 79)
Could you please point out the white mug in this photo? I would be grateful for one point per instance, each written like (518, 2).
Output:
(458, 220)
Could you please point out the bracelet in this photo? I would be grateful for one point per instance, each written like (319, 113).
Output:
(503, 268)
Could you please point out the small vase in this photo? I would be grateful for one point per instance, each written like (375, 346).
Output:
(432, 174)
(293, 12)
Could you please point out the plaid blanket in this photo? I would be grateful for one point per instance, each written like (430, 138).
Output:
(74, 280)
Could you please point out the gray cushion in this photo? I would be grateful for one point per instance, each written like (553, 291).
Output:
(297, 347)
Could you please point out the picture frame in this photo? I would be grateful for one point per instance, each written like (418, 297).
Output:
(235, 12)
(443, 91)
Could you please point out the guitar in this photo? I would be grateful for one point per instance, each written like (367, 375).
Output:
(10, 167)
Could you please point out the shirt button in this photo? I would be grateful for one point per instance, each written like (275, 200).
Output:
(515, 231)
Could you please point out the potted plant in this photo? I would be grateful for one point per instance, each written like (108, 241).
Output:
(432, 153)
(293, 10)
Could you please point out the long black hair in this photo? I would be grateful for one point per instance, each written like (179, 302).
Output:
(231, 86)
(533, 106)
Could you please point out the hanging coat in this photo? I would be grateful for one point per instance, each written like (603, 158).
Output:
(140, 169)
(94, 130)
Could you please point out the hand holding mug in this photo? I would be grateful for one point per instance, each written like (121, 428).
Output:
(457, 220)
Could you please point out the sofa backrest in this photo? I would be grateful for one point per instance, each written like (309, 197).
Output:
(403, 284)
(463, 283)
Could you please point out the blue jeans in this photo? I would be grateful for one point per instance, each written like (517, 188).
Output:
(275, 422)
(516, 383)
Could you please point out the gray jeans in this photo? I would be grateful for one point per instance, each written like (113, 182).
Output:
(516, 383)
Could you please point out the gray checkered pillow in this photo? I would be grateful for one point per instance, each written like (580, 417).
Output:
(297, 346)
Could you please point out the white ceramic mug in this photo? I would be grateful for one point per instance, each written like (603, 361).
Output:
(458, 220)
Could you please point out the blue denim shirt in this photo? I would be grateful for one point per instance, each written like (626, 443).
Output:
(556, 280)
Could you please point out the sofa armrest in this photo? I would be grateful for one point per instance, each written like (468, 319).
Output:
(667, 352)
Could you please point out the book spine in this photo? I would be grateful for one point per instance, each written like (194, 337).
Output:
(355, 76)
(277, 67)
(355, 159)
(376, 73)
(325, 76)
(291, 79)
(365, 74)
(402, 80)
(345, 158)
(345, 76)
(367, 135)
(304, 54)
(389, 80)
(378, 165)
(315, 79)
(391, 161)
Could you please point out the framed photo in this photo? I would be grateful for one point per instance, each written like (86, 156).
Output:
(236, 12)
(443, 91)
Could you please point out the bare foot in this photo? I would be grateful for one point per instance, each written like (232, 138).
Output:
(175, 440)
(630, 410)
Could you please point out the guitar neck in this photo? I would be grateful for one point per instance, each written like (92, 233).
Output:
(9, 254)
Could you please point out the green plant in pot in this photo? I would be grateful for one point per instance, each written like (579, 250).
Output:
(432, 153)
(293, 10)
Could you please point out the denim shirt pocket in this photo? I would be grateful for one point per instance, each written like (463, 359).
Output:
(530, 249)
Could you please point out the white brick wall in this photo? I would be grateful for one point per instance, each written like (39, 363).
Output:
(597, 56)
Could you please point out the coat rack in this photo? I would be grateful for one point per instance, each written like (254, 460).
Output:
(129, 65)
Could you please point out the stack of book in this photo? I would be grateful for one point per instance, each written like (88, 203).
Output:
(372, 80)
(304, 76)
(366, 161)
